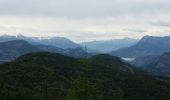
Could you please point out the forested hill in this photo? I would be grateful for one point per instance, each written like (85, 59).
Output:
(52, 76)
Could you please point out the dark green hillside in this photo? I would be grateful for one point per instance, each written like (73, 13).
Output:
(51, 76)
(113, 63)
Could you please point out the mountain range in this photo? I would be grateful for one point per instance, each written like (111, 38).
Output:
(12, 49)
(59, 42)
(148, 52)
(148, 45)
(109, 45)
(37, 69)
(64, 43)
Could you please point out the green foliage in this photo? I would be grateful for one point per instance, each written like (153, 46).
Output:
(84, 89)
(48, 76)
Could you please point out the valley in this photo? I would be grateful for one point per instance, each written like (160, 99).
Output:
(84, 49)
(41, 71)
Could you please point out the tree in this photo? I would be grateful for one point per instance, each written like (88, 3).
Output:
(46, 78)
(84, 89)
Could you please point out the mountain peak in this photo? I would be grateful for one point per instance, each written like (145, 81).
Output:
(147, 37)
(20, 36)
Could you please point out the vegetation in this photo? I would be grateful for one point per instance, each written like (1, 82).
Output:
(50, 76)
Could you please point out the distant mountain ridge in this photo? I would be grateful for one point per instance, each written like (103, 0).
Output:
(49, 48)
(13, 49)
(64, 43)
(148, 45)
(10, 50)
(73, 52)
(109, 45)
(59, 42)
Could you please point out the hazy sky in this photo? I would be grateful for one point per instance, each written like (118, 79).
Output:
(84, 20)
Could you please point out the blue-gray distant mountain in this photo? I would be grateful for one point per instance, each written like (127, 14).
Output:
(160, 66)
(59, 42)
(78, 52)
(148, 45)
(144, 61)
(49, 48)
(13, 49)
(73, 52)
(109, 45)
(5, 38)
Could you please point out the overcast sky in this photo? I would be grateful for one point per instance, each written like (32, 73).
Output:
(85, 20)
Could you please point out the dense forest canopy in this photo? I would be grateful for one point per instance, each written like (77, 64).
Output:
(52, 76)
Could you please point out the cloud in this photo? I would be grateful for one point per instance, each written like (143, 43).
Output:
(136, 30)
(162, 23)
(82, 8)
(85, 19)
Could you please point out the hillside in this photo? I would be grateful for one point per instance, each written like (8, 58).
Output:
(51, 76)
(73, 52)
(144, 61)
(148, 45)
(50, 48)
(78, 53)
(161, 65)
(13, 49)
(112, 62)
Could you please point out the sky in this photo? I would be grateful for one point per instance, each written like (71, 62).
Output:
(85, 20)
